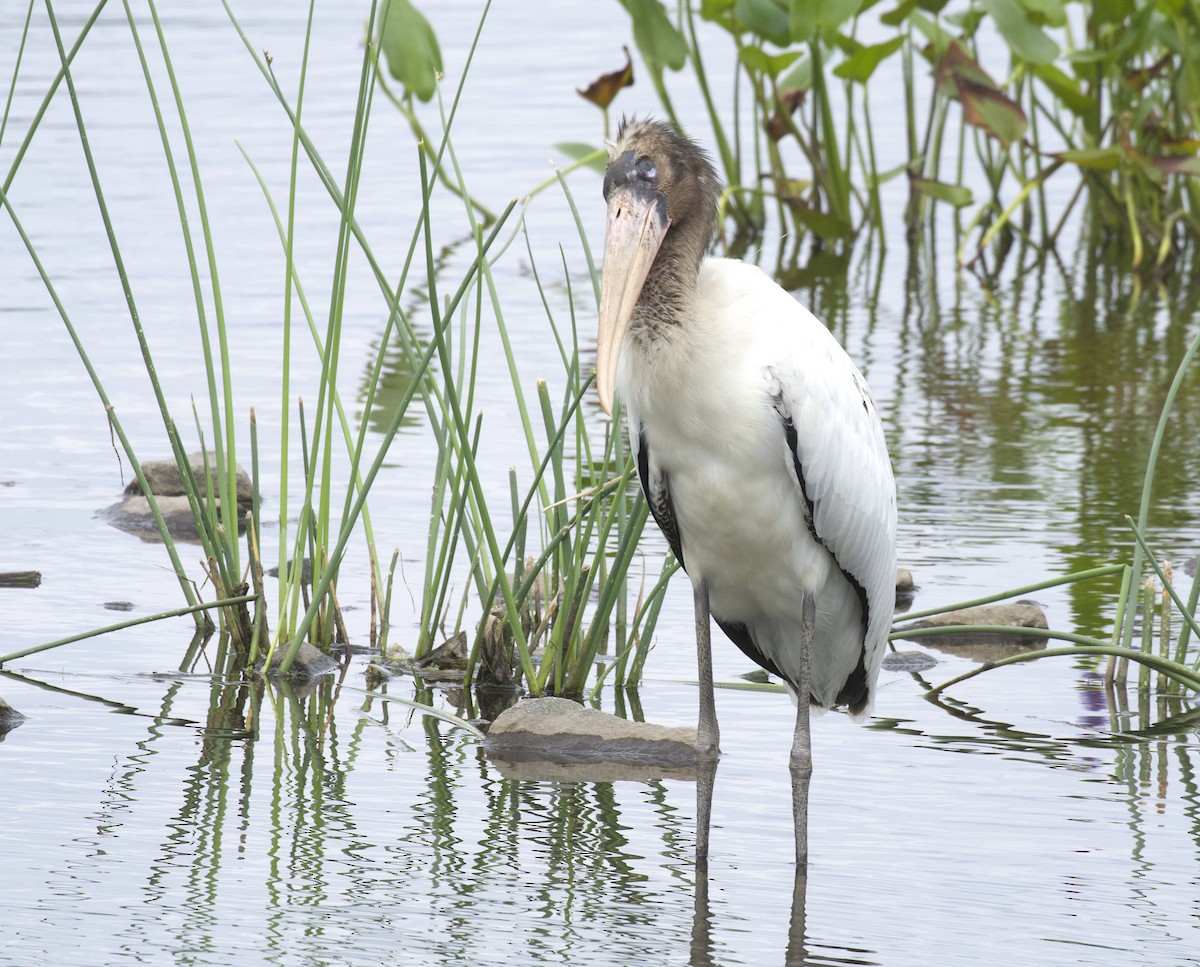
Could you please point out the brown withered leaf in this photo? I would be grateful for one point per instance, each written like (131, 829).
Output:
(1138, 79)
(1177, 165)
(605, 87)
(789, 101)
(957, 66)
(993, 111)
(985, 105)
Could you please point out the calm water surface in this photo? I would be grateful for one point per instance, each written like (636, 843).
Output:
(1022, 820)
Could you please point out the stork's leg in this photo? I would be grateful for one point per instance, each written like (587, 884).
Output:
(702, 925)
(708, 740)
(706, 778)
(797, 945)
(801, 760)
(708, 737)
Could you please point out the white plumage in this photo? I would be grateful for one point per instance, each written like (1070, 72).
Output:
(710, 402)
(759, 448)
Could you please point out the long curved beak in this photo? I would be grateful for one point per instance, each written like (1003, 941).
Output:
(637, 224)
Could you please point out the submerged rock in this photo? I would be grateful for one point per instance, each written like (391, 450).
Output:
(10, 718)
(165, 480)
(982, 646)
(305, 571)
(555, 738)
(445, 663)
(908, 661)
(132, 514)
(906, 590)
(311, 663)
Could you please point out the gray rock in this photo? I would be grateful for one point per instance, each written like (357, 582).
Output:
(982, 646)
(311, 663)
(10, 718)
(554, 738)
(1019, 614)
(132, 515)
(906, 590)
(165, 480)
(908, 661)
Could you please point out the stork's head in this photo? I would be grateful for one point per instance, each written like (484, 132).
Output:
(662, 195)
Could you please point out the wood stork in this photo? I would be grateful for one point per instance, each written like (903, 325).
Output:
(758, 445)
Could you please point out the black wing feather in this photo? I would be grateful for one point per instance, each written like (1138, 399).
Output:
(658, 496)
(854, 692)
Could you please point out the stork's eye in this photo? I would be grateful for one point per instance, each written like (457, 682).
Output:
(647, 170)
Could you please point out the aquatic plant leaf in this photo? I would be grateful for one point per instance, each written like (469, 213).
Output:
(826, 226)
(809, 16)
(660, 44)
(1104, 12)
(957, 67)
(716, 11)
(897, 16)
(1140, 78)
(993, 111)
(411, 48)
(894, 18)
(1067, 90)
(883, 177)
(1052, 13)
(799, 78)
(860, 65)
(1095, 159)
(605, 87)
(1177, 165)
(956, 195)
(939, 39)
(759, 60)
(1026, 38)
(578, 150)
(958, 76)
(766, 19)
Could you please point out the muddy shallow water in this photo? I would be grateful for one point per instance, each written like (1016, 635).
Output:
(1023, 818)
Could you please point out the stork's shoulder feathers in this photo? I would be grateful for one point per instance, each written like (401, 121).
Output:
(823, 403)
(834, 438)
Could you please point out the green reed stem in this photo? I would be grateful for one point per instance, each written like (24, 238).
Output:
(50, 92)
(321, 586)
(1188, 615)
(225, 449)
(1178, 673)
(1160, 432)
(131, 623)
(1085, 575)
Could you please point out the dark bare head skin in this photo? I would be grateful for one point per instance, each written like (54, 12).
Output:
(650, 156)
(661, 191)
